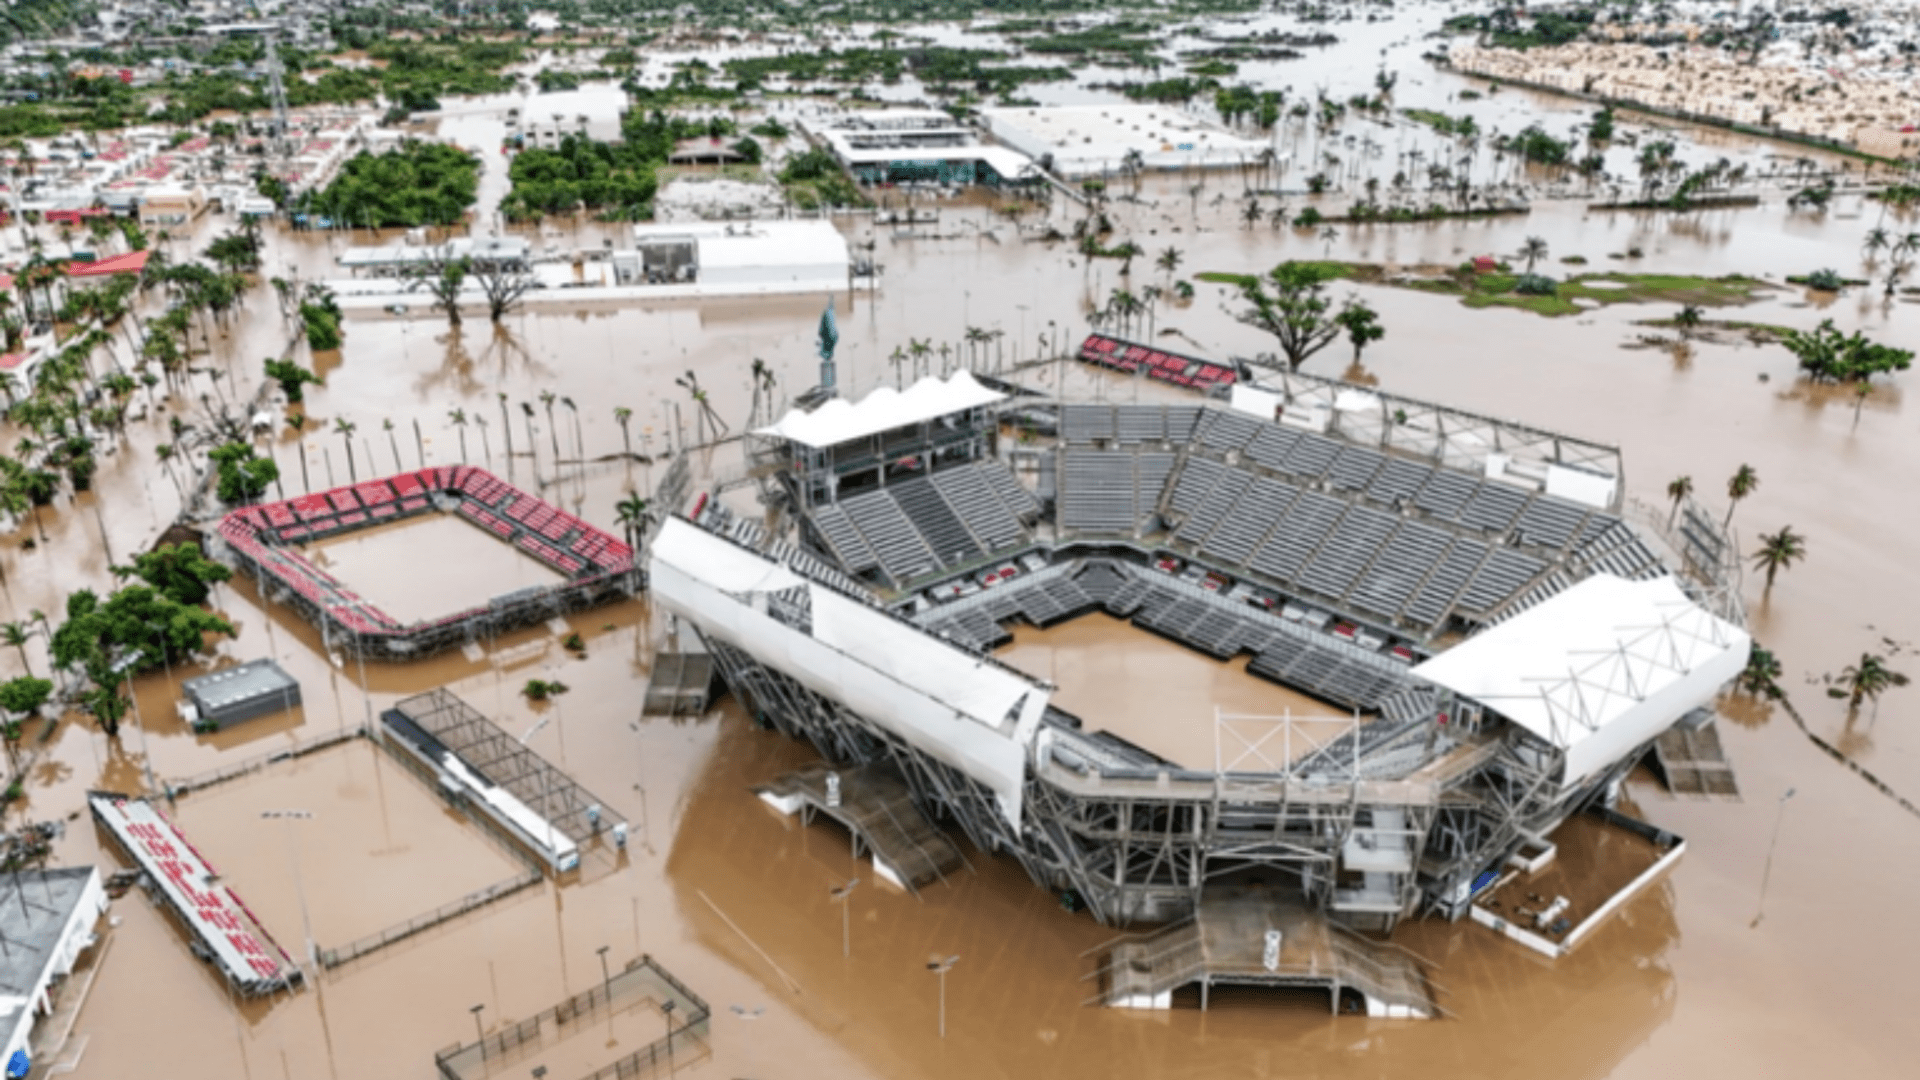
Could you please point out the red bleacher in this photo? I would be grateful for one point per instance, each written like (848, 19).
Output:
(579, 550)
(1127, 356)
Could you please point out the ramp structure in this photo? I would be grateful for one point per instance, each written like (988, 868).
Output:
(877, 807)
(1254, 936)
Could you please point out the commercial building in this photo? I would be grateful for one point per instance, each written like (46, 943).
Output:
(895, 146)
(1077, 141)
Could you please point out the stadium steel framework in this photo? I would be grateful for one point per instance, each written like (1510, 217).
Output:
(1450, 764)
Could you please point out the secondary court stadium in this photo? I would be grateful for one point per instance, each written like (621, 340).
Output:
(1501, 635)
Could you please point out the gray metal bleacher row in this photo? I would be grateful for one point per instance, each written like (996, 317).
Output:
(1110, 492)
(917, 527)
(1043, 598)
(1444, 495)
(1349, 553)
(1127, 425)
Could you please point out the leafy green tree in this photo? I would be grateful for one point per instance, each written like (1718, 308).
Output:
(181, 572)
(1362, 325)
(293, 379)
(24, 694)
(1291, 304)
(243, 475)
(1826, 355)
(135, 629)
(416, 183)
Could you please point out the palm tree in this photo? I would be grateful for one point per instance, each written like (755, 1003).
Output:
(506, 426)
(547, 398)
(1688, 317)
(1740, 485)
(1168, 260)
(459, 419)
(631, 513)
(16, 635)
(1329, 234)
(345, 429)
(1678, 490)
(1533, 251)
(579, 444)
(1865, 681)
(1250, 214)
(1761, 676)
(622, 414)
(1779, 551)
(1877, 240)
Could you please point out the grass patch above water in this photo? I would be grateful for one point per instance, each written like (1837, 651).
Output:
(1572, 295)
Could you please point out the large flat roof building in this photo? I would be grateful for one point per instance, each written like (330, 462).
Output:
(889, 146)
(1094, 140)
(46, 931)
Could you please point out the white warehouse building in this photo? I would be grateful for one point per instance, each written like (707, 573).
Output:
(1095, 140)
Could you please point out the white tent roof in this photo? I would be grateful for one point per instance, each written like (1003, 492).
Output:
(1597, 669)
(841, 421)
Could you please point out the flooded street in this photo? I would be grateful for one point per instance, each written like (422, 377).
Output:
(734, 899)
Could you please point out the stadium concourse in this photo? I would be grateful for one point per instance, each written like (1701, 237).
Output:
(1469, 592)
(266, 540)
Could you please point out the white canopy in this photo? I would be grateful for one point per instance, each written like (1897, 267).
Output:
(840, 421)
(1599, 668)
(957, 707)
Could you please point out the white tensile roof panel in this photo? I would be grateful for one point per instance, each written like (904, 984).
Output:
(1597, 669)
(840, 421)
(959, 708)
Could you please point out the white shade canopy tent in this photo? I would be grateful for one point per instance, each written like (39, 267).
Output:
(839, 421)
(1597, 669)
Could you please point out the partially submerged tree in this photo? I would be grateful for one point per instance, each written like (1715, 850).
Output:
(180, 571)
(1865, 681)
(1297, 311)
(1827, 355)
(1779, 551)
(1362, 325)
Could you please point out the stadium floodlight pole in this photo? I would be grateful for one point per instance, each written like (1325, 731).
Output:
(843, 894)
(479, 1033)
(293, 859)
(1760, 908)
(940, 965)
(546, 793)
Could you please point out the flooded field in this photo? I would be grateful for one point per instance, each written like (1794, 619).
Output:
(378, 849)
(1153, 693)
(427, 567)
(735, 900)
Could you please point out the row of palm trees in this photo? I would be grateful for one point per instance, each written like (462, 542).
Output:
(1903, 250)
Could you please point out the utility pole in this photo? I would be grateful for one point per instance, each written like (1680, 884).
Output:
(1760, 909)
(843, 894)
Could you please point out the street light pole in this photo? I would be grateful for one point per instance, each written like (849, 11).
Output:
(299, 883)
(1760, 909)
(479, 1033)
(844, 895)
(940, 965)
(606, 980)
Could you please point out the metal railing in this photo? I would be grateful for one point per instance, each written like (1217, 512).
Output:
(202, 781)
(333, 958)
(640, 979)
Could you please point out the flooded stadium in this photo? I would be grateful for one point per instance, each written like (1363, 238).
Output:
(1698, 971)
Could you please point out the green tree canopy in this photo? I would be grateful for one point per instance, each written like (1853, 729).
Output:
(180, 571)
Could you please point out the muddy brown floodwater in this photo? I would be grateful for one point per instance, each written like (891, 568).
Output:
(1155, 694)
(734, 899)
(428, 567)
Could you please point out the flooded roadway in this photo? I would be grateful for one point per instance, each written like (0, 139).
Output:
(1677, 983)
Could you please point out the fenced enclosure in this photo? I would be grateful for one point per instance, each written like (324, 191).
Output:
(641, 980)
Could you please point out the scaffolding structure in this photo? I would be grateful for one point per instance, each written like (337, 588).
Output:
(480, 749)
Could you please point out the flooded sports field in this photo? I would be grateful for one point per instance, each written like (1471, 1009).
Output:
(429, 567)
(738, 902)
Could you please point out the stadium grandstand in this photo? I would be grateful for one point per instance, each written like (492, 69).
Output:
(1502, 635)
(266, 541)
